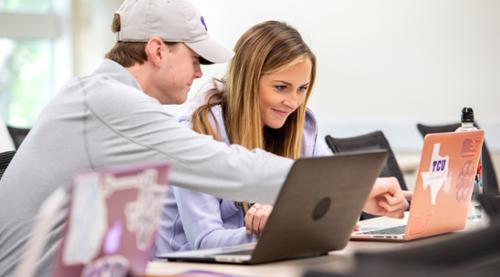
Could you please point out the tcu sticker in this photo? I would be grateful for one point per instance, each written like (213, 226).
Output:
(436, 176)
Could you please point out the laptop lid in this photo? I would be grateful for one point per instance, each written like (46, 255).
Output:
(314, 213)
(112, 222)
(444, 183)
(319, 205)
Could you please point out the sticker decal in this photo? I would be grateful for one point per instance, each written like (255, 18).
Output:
(107, 266)
(87, 224)
(113, 238)
(436, 176)
(464, 186)
(142, 215)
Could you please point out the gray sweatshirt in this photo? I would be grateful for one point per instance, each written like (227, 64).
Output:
(106, 119)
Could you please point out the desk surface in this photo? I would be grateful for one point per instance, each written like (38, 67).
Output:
(338, 261)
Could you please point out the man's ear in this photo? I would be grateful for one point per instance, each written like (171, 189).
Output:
(155, 50)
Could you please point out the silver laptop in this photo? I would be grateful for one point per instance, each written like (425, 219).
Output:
(314, 213)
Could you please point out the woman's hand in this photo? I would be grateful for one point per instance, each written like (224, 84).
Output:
(256, 218)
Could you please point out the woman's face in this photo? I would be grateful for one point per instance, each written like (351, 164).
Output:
(282, 92)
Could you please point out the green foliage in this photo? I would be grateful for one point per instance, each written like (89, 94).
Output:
(25, 68)
(25, 6)
(31, 87)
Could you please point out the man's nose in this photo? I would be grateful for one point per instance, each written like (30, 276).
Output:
(197, 71)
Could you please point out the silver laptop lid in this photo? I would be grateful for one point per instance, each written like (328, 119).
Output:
(318, 205)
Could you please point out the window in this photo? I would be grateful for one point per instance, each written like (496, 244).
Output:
(25, 6)
(31, 32)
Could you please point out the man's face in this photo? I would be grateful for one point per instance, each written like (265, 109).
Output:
(176, 74)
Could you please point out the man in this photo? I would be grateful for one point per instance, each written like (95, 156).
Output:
(115, 116)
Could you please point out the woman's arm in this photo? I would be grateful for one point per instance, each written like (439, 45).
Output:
(209, 222)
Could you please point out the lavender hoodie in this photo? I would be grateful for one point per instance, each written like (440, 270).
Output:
(194, 220)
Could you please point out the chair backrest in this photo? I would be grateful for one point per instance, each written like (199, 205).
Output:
(490, 181)
(18, 135)
(5, 158)
(370, 141)
(491, 205)
(373, 140)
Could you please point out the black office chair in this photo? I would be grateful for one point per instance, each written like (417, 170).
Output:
(490, 181)
(370, 141)
(491, 205)
(17, 135)
(5, 158)
(373, 140)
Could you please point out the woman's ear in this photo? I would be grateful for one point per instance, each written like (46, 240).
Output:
(155, 51)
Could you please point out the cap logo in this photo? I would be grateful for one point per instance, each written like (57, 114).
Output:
(203, 22)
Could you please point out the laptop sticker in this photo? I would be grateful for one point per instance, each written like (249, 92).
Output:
(464, 186)
(143, 214)
(116, 265)
(112, 221)
(88, 223)
(436, 176)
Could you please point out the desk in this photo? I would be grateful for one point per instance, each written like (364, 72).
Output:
(339, 261)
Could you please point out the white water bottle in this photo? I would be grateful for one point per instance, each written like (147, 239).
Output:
(475, 209)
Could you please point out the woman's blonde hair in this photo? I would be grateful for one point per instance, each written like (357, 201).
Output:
(265, 48)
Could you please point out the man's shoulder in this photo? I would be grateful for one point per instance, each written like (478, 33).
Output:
(104, 92)
(104, 85)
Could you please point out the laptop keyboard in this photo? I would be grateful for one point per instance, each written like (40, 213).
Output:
(393, 230)
(242, 252)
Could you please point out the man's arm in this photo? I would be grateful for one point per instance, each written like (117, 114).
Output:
(387, 198)
(142, 131)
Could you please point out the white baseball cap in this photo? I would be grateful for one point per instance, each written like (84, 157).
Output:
(173, 21)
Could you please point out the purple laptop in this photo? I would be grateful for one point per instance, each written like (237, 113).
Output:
(112, 222)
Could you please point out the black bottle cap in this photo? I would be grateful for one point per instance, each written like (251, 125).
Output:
(467, 115)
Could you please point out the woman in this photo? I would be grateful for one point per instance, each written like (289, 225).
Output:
(262, 104)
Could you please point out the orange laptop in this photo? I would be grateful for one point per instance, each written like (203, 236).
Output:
(442, 191)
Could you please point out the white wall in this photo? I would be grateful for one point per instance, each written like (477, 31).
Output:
(382, 64)
(92, 32)
(385, 64)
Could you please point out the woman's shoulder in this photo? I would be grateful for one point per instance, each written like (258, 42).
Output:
(310, 123)
(199, 99)
(312, 143)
